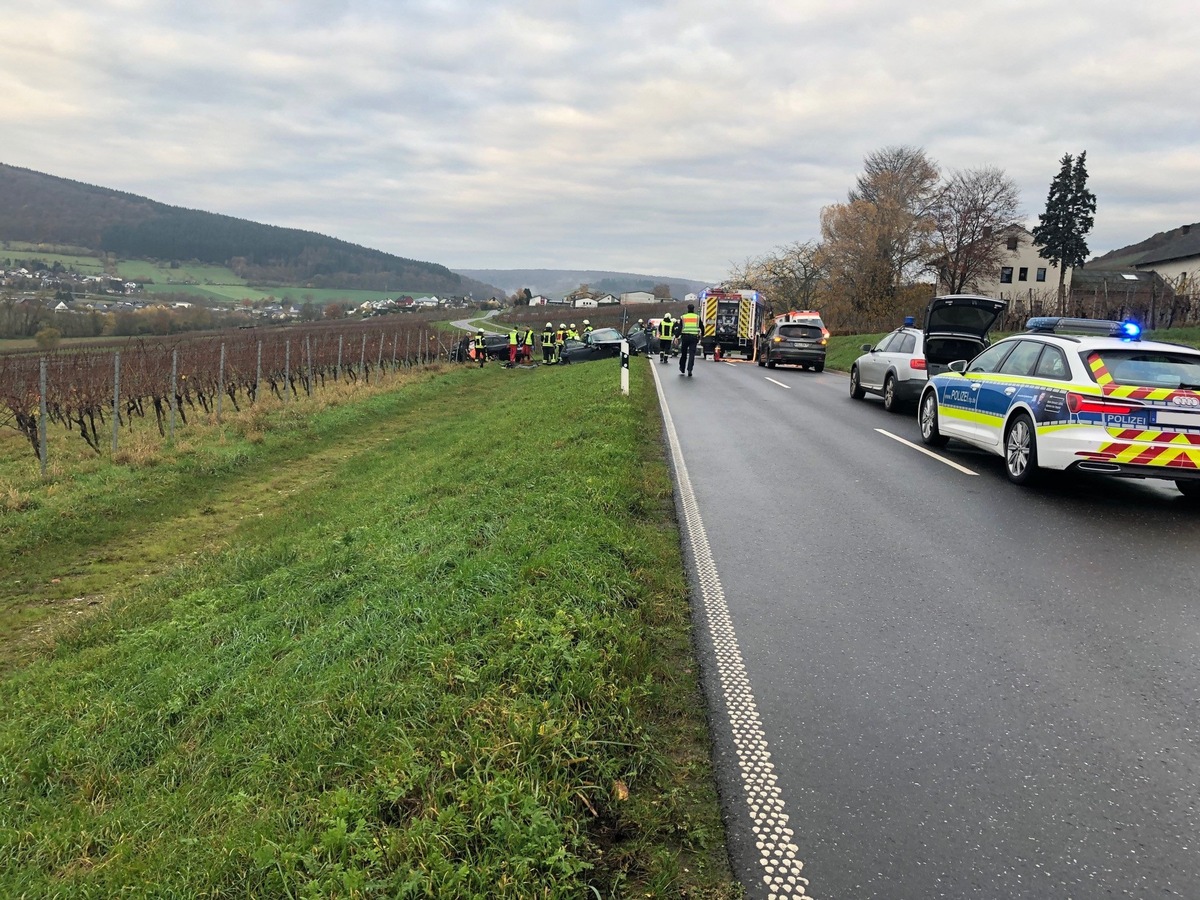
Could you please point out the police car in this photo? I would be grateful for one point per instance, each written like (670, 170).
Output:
(1083, 395)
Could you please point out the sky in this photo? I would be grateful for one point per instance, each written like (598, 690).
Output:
(675, 138)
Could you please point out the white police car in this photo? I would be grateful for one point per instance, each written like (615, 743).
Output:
(1084, 395)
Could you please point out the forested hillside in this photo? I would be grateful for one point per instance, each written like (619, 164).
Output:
(46, 209)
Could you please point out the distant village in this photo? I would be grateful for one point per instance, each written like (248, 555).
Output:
(74, 304)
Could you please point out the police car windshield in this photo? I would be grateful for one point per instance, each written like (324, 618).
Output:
(1152, 368)
(799, 331)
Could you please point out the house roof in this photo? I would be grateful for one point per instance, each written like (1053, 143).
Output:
(1178, 243)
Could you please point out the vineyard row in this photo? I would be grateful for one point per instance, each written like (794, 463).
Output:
(94, 390)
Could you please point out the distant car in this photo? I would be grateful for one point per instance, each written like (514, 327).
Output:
(899, 366)
(800, 341)
(1082, 395)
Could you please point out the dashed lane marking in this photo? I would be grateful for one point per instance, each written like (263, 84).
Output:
(772, 837)
(929, 453)
(780, 383)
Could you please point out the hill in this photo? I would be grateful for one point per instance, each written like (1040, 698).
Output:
(557, 282)
(47, 209)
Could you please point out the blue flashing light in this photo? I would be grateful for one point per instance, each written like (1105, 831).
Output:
(909, 321)
(1131, 331)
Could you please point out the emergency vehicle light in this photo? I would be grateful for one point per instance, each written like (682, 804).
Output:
(1130, 331)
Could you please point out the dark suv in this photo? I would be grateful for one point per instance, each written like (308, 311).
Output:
(799, 341)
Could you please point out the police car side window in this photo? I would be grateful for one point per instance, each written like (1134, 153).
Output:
(1052, 364)
(1022, 359)
(907, 344)
(990, 359)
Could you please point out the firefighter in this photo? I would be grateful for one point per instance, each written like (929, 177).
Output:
(514, 346)
(527, 345)
(572, 333)
(666, 331)
(587, 330)
(548, 345)
(480, 348)
(560, 341)
(691, 326)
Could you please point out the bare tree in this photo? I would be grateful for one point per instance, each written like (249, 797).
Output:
(787, 277)
(973, 207)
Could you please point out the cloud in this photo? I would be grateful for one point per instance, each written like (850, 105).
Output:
(670, 137)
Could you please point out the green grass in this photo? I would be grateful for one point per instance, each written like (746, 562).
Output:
(436, 652)
(70, 257)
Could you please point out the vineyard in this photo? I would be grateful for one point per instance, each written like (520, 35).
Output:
(96, 392)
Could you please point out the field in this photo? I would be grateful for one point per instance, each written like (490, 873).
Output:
(373, 645)
(71, 257)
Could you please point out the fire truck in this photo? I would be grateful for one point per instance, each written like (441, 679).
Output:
(731, 320)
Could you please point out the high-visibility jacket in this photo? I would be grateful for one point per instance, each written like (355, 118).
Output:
(527, 340)
(666, 329)
(560, 336)
(689, 323)
(480, 344)
(513, 338)
(588, 330)
(547, 337)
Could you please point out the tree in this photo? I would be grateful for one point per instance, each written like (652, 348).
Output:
(787, 277)
(880, 238)
(972, 208)
(1062, 229)
(48, 338)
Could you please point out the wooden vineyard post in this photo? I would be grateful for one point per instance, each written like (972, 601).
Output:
(116, 399)
(174, 394)
(220, 384)
(42, 415)
(258, 372)
(287, 371)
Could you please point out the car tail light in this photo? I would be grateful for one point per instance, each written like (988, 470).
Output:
(1086, 403)
(916, 363)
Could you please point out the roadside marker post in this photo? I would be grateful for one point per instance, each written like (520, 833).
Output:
(625, 368)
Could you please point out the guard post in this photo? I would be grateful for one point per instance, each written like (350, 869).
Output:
(625, 367)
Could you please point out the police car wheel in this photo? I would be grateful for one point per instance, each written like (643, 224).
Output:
(856, 388)
(890, 402)
(1020, 450)
(928, 421)
(1189, 489)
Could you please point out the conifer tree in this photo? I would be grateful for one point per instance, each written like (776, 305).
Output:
(1061, 232)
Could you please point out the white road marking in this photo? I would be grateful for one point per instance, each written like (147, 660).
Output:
(772, 837)
(780, 383)
(929, 453)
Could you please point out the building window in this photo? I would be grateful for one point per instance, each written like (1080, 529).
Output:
(1041, 274)
(1006, 274)
(1023, 274)
(1012, 243)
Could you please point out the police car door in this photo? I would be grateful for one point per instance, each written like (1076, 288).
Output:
(958, 398)
(874, 363)
(998, 391)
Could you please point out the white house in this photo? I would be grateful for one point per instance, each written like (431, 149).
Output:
(1022, 273)
(638, 297)
(539, 300)
(585, 303)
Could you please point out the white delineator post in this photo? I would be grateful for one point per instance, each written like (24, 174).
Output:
(625, 368)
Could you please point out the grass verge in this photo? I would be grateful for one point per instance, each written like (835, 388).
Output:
(452, 659)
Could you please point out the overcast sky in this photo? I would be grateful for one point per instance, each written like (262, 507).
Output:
(665, 138)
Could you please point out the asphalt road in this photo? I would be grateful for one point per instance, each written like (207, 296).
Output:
(949, 686)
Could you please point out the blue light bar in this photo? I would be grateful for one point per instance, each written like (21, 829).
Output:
(1129, 331)
(909, 321)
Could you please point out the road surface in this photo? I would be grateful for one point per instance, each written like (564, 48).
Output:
(925, 682)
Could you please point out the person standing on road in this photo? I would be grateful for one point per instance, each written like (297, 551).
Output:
(548, 345)
(560, 341)
(480, 348)
(691, 326)
(666, 331)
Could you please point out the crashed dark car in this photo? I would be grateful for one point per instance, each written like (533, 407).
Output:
(495, 346)
(603, 343)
